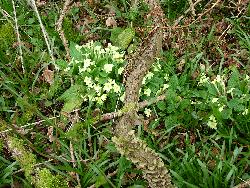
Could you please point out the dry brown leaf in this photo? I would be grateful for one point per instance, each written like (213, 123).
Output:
(48, 76)
(111, 22)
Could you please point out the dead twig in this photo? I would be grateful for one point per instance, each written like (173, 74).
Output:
(187, 11)
(143, 104)
(245, 184)
(59, 28)
(18, 36)
(45, 34)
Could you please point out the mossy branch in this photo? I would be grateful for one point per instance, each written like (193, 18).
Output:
(125, 140)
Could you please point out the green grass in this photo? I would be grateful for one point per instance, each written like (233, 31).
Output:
(179, 128)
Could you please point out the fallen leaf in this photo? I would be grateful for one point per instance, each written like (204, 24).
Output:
(111, 22)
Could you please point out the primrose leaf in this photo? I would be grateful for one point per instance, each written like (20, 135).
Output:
(72, 98)
(125, 38)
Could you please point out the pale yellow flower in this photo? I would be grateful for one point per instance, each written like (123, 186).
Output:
(120, 70)
(214, 100)
(117, 88)
(147, 112)
(108, 68)
(147, 92)
(212, 122)
(108, 86)
(245, 112)
(88, 81)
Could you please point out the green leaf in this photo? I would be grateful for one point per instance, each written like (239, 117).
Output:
(235, 104)
(170, 121)
(226, 113)
(100, 181)
(234, 80)
(124, 38)
(114, 34)
(161, 105)
(61, 64)
(74, 53)
(72, 97)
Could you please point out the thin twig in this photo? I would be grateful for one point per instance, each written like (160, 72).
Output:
(18, 36)
(206, 11)
(28, 125)
(189, 9)
(192, 7)
(74, 163)
(143, 104)
(59, 28)
(45, 34)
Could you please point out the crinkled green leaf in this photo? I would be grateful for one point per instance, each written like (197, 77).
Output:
(124, 37)
(72, 97)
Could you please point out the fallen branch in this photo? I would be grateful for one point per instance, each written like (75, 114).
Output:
(127, 143)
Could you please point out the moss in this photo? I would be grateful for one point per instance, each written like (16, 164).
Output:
(7, 36)
(26, 159)
(47, 180)
(70, 33)
(1, 146)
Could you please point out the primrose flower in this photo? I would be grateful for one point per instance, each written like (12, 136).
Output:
(97, 48)
(97, 88)
(112, 48)
(88, 45)
(88, 81)
(221, 108)
(165, 86)
(120, 70)
(230, 90)
(218, 79)
(147, 112)
(108, 86)
(147, 92)
(245, 112)
(214, 100)
(87, 63)
(67, 69)
(149, 75)
(117, 88)
(108, 68)
(212, 122)
(203, 79)
(166, 77)
(246, 78)
(104, 97)
(122, 97)
(78, 48)
(117, 55)
(157, 67)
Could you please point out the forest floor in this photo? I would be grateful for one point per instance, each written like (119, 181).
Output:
(61, 82)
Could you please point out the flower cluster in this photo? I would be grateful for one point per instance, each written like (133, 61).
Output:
(98, 68)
